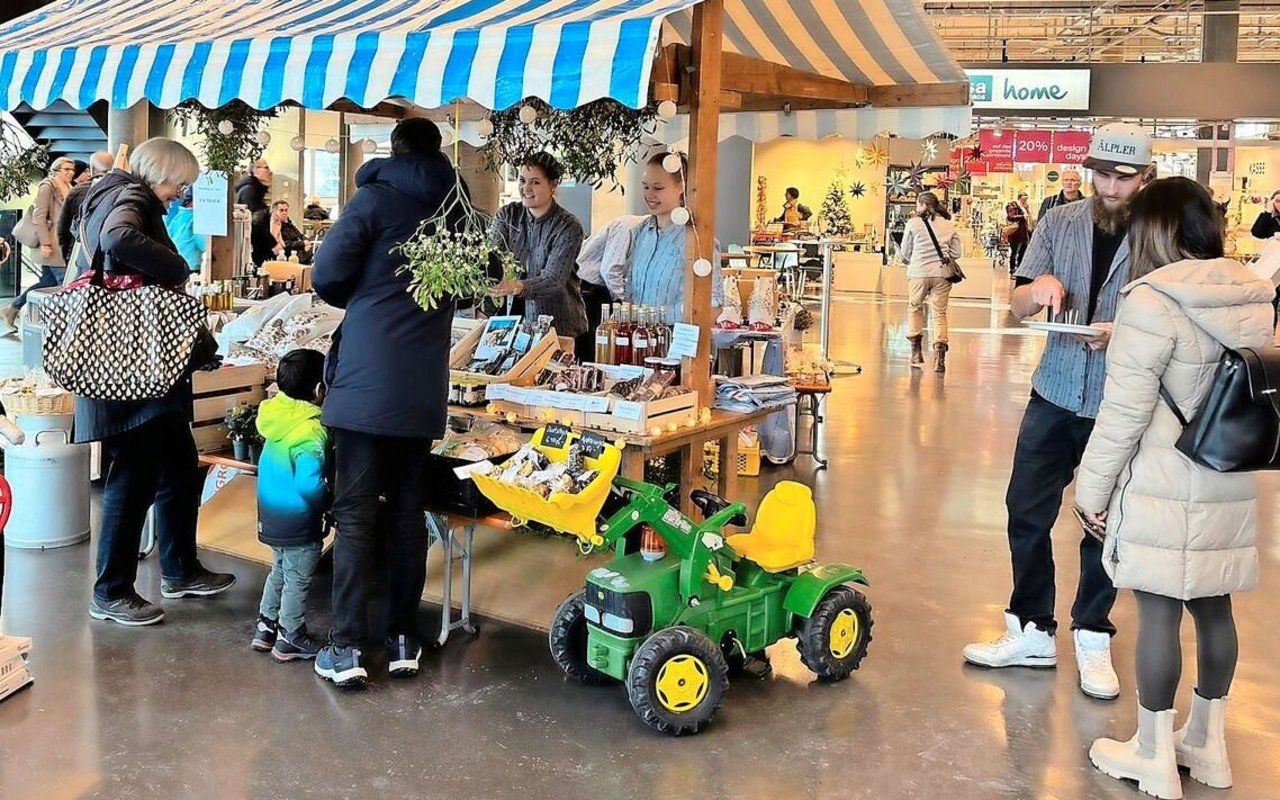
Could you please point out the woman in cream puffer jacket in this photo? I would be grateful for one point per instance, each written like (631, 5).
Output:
(1177, 533)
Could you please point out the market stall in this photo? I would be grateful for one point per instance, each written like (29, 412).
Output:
(410, 57)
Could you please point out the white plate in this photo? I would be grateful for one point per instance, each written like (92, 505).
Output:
(1062, 327)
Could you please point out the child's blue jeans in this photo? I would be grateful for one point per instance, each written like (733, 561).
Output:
(284, 597)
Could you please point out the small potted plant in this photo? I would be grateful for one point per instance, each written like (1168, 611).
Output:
(255, 445)
(242, 429)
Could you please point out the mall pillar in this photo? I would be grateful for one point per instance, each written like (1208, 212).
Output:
(1220, 33)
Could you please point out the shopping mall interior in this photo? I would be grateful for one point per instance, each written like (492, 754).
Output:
(582, 484)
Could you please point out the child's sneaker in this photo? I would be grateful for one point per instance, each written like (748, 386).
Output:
(264, 635)
(296, 646)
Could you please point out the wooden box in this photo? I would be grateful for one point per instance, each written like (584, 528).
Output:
(621, 416)
(524, 373)
(218, 392)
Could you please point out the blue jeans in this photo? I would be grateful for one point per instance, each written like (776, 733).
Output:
(49, 278)
(284, 597)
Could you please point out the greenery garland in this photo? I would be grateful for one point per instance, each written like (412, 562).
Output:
(20, 166)
(592, 141)
(231, 151)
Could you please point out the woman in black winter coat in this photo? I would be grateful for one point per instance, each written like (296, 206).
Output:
(1267, 225)
(152, 454)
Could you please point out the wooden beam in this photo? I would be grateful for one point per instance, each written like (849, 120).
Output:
(920, 94)
(700, 184)
(756, 76)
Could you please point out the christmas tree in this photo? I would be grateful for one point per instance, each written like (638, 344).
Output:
(836, 220)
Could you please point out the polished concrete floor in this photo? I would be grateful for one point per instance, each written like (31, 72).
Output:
(914, 495)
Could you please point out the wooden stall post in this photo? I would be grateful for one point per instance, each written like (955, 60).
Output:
(700, 184)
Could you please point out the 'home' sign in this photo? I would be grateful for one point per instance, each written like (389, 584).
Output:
(1026, 89)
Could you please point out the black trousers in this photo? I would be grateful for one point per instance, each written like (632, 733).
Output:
(154, 464)
(1016, 252)
(1051, 443)
(370, 469)
(595, 297)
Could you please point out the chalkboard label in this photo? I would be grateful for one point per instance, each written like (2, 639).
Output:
(593, 445)
(555, 436)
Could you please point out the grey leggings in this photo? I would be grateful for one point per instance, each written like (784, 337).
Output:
(1160, 652)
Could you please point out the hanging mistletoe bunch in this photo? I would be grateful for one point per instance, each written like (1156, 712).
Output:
(592, 141)
(20, 163)
(233, 134)
(451, 255)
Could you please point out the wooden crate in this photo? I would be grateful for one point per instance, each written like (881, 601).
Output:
(643, 418)
(218, 392)
(524, 373)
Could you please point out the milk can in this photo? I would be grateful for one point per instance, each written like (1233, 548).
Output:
(50, 480)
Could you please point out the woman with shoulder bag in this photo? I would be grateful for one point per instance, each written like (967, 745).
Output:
(929, 241)
(1177, 533)
(1017, 231)
(50, 197)
(148, 442)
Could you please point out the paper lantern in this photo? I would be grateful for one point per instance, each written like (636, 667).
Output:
(667, 109)
(702, 268)
(264, 138)
(528, 115)
(672, 163)
(297, 143)
(332, 146)
(680, 216)
(226, 128)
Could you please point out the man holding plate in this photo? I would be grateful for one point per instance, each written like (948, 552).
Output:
(1075, 267)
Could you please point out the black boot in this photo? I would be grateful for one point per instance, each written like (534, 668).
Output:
(941, 364)
(917, 351)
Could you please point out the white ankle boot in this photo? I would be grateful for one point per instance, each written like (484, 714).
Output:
(1147, 758)
(1201, 744)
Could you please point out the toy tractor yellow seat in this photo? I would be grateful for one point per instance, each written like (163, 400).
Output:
(783, 534)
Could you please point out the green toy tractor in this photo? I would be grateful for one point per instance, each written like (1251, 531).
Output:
(671, 627)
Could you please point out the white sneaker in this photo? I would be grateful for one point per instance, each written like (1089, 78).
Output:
(1019, 647)
(1093, 659)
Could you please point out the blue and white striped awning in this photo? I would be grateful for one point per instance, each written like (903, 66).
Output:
(851, 123)
(429, 52)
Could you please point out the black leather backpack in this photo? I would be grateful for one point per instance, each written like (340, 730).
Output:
(1238, 427)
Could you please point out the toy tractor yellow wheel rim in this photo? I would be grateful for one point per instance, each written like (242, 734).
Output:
(844, 633)
(682, 683)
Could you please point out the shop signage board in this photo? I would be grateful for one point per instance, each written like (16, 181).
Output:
(1000, 153)
(1024, 89)
(1070, 147)
(1032, 147)
(210, 204)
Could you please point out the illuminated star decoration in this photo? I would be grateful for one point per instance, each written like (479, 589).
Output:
(929, 149)
(897, 184)
(876, 187)
(858, 189)
(878, 156)
(975, 153)
(915, 176)
(945, 182)
(964, 185)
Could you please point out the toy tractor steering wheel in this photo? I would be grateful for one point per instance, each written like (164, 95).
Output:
(711, 504)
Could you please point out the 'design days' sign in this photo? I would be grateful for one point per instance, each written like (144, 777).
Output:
(1058, 89)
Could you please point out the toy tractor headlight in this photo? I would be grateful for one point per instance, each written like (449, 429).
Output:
(621, 613)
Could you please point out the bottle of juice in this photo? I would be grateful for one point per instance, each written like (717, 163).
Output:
(663, 334)
(622, 337)
(640, 337)
(604, 336)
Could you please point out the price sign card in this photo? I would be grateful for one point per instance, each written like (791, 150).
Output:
(625, 409)
(593, 445)
(210, 205)
(684, 341)
(555, 436)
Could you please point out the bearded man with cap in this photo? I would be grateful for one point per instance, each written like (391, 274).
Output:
(1075, 267)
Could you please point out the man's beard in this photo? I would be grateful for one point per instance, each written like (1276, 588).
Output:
(1111, 220)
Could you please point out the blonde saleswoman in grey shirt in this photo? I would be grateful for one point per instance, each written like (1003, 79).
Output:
(925, 283)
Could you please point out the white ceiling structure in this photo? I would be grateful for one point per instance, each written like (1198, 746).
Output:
(1095, 31)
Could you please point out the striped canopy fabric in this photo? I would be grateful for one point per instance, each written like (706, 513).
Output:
(429, 52)
(851, 123)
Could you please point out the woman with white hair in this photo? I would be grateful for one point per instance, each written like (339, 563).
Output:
(149, 442)
(50, 196)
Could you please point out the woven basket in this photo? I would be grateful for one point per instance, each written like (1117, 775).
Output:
(43, 403)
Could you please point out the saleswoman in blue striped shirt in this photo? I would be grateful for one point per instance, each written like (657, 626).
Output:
(657, 261)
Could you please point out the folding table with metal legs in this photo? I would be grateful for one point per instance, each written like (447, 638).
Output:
(455, 537)
(809, 404)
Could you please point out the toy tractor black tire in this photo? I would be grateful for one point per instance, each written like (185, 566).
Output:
(568, 641)
(677, 681)
(834, 639)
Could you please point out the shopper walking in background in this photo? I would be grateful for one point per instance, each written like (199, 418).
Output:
(1075, 267)
(50, 197)
(1177, 533)
(292, 500)
(388, 378)
(148, 443)
(252, 189)
(1267, 225)
(928, 237)
(1017, 230)
(1070, 194)
(546, 239)
(100, 164)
